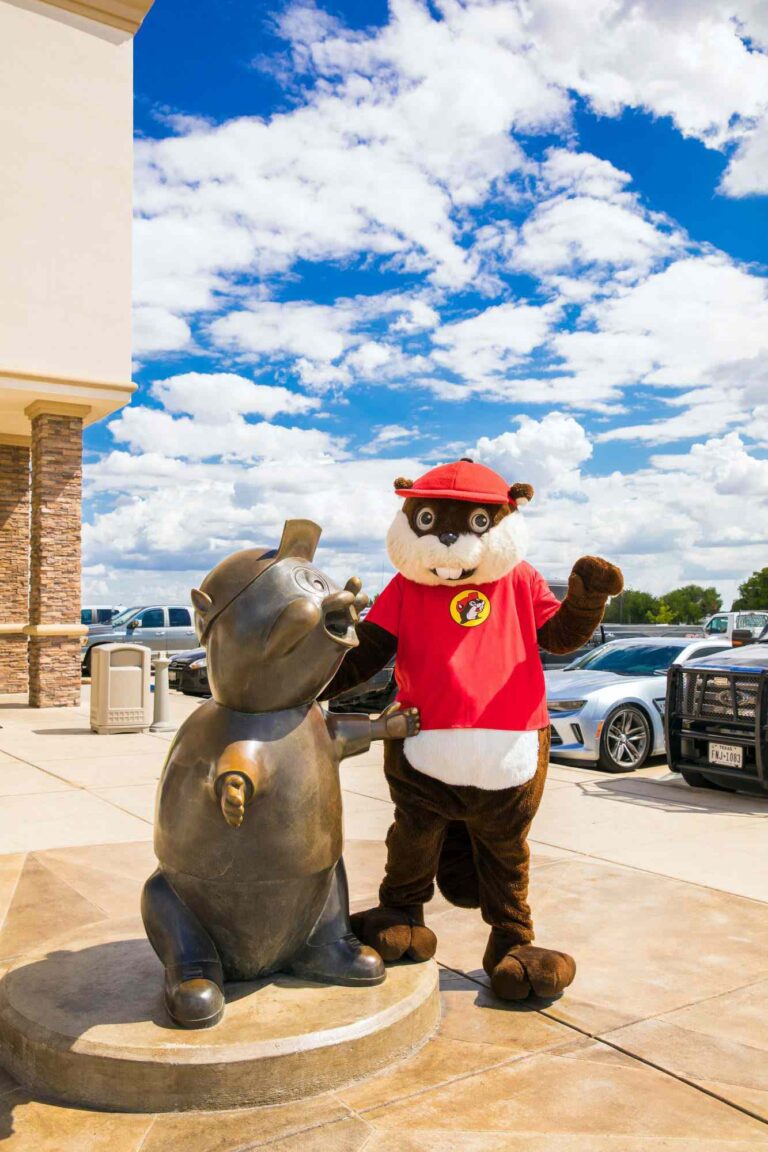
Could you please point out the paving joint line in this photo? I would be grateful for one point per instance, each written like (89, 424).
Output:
(601, 1039)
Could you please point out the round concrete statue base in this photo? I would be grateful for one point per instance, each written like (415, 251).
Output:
(84, 1022)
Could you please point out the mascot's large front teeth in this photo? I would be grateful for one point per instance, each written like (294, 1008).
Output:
(449, 573)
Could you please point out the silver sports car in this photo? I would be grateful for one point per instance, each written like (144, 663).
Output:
(607, 707)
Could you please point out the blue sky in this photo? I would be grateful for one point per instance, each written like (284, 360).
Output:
(372, 237)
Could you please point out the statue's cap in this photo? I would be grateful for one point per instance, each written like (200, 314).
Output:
(233, 575)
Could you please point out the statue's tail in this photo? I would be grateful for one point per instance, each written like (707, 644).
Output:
(456, 871)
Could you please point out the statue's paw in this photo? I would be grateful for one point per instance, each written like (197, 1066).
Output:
(196, 1002)
(401, 722)
(395, 933)
(598, 575)
(527, 970)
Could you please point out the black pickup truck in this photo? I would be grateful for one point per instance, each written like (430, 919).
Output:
(716, 719)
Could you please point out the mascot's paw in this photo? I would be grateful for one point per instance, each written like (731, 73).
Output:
(396, 933)
(599, 576)
(525, 970)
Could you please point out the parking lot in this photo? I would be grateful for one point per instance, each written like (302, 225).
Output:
(659, 891)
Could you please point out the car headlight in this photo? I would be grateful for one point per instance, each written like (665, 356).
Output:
(565, 705)
(660, 705)
(198, 664)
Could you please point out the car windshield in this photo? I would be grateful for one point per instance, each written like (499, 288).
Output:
(632, 660)
(123, 618)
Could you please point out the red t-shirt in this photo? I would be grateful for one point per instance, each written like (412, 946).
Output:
(468, 657)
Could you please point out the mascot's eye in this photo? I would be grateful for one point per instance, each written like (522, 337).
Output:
(425, 519)
(479, 521)
(311, 581)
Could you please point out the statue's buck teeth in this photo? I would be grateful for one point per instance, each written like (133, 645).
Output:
(449, 573)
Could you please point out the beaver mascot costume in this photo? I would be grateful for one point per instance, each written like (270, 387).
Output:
(465, 616)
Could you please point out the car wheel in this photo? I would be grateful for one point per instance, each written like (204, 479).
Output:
(86, 665)
(697, 780)
(625, 742)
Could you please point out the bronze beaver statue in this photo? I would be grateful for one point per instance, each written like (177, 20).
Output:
(248, 831)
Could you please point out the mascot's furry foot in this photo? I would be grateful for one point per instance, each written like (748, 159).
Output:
(523, 970)
(396, 932)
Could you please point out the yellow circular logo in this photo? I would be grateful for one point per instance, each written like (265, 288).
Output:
(470, 608)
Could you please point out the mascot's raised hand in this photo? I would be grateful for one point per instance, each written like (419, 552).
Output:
(465, 616)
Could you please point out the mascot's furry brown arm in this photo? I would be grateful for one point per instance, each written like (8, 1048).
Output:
(465, 615)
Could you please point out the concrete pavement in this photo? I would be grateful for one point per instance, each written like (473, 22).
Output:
(660, 891)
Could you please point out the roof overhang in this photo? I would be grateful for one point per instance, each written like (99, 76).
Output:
(21, 392)
(126, 15)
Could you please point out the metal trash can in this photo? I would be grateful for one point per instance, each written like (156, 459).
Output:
(121, 700)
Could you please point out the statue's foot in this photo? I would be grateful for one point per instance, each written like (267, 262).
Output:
(194, 994)
(523, 970)
(344, 961)
(396, 932)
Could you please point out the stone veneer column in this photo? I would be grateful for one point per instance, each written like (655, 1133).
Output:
(14, 562)
(54, 603)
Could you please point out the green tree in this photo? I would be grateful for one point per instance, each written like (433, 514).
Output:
(689, 604)
(663, 614)
(753, 593)
(631, 607)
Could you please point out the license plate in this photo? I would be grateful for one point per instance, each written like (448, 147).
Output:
(729, 755)
(172, 677)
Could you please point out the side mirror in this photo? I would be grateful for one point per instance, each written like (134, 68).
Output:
(741, 636)
(133, 625)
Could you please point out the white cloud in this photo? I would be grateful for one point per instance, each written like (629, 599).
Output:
(214, 397)
(297, 328)
(684, 60)
(496, 339)
(388, 436)
(697, 319)
(747, 172)
(158, 330)
(546, 453)
(151, 430)
(682, 518)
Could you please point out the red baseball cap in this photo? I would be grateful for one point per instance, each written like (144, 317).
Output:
(462, 480)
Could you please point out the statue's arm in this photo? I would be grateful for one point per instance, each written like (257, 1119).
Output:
(376, 648)
(591, 583)
(353, 733)
(237, 780)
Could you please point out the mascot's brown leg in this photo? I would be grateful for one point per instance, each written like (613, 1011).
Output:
(456, 871)
(499, 833)
(396, 928)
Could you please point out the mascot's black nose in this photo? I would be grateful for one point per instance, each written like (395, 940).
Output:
(448, 538)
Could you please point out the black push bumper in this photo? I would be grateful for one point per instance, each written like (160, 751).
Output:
(718, 706)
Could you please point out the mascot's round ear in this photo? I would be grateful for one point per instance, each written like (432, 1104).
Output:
(401, 482)
(521, 494)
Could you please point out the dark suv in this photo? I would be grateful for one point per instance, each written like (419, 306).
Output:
(717, 719)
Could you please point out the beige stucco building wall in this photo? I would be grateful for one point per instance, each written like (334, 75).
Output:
(66, 128)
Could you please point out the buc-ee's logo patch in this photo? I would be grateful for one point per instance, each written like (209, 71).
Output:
(470, 608)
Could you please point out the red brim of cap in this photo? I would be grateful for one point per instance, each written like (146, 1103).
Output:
(452, 494)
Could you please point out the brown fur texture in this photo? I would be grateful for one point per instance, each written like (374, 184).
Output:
(520, 970)
(398, 932)
(451, 515)
(521, 492)
(376, 647)
(474, 841)
(591, 582)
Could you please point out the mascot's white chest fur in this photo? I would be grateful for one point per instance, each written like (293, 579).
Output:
(481, 757)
